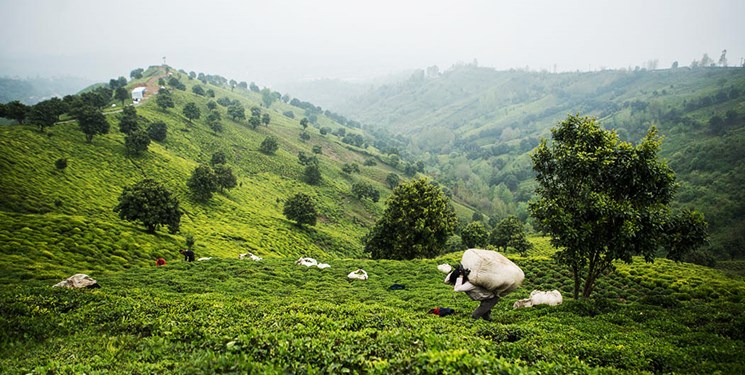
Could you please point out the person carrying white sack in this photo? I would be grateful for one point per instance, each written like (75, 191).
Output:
(459, 279)
(492, 276)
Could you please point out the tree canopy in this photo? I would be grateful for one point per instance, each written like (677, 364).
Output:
(151, 204)
(602, 200)
(300, 209)
(92, 122)
(417, 222)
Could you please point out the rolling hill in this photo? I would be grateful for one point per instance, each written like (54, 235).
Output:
(64, 218)
(474, 129)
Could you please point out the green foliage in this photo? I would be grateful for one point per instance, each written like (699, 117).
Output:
(273, 316)
(191, 111)
(254, 122)
(416, 223)
(224, 177)
(197, 89)
(136, 142)
(16, 110)
(363, 190)
(151, 204)
(236, 112)
(61, 163)
(474, 235)
(392, 180)
(128, 121)
(510, 232)
(350, 168)
(46, 113)
(121, 94)
(164, 100)
(312, 174)
(158, 131)
(300, 209)
(202, 183)
(602, 199)
(92, 122)
(136, 73)
(304, 122)
(218, 158)
(265, 119)
(269, 145)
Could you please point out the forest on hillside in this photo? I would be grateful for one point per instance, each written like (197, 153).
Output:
(474, 129)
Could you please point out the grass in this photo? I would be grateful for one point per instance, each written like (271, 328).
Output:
(273, 316)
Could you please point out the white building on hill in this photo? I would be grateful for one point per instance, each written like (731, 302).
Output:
(138, 93)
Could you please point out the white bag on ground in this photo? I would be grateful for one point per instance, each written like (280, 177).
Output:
(359, 274)
(492, 271)
(308, 262)
(79, 280)
(445, 268)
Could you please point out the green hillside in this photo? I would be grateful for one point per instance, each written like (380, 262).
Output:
(272, 316)
(56, 221)
(474, 129)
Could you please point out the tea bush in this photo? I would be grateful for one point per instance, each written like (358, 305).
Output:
(273, 316)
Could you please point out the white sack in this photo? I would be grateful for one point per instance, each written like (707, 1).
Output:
(79, 280)
(308, 262)
(492, 271)
(359, 274)
(445, 268)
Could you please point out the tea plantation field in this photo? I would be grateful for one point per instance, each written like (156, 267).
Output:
(272, 316)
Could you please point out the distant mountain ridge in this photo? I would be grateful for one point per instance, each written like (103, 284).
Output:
(33, 90)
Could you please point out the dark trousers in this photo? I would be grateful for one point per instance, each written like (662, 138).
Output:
(484, 309)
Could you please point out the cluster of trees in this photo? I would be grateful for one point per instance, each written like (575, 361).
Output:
(312, 172)
(137, 137)
(206, 179)
(507, 233)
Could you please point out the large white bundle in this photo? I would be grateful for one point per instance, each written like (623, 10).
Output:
(78, 280)
(492, 271)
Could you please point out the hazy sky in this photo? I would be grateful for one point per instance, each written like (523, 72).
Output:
(273, 41)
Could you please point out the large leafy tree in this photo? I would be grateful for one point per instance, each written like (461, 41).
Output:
(164, 100)
(510, 232)
(151, 204)
(136, 142)
(417, 222)
(128, 121)
(301, 209)
(121, 93)
(203, 182)
(92, 122)
(474, 235)
(16, 110)
(46, 113)
(269, 145)
(603, 200)
(236, 111)
(191, 111)
(157, 131)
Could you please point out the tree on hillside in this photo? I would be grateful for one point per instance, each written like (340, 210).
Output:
(136, 142)
(236, 111)
(363, 190)
(269, 145)
(157, 131)
(267, 98)
(121, 94)
(392, 180)
(312, 174)
(474, 235)
(417, 222)
(218, 158)
(225, 178)
(265, 119)
(92, 122)
(136, 74)
(254, 122)
(603, 200)
(202, 183)
(151, 204)
(128, 122)
(191, 111)
(45, 113)
(300, 209)
(164, 100)
(197, 89)
(510, 232)
(304, 122)
(16, 110)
